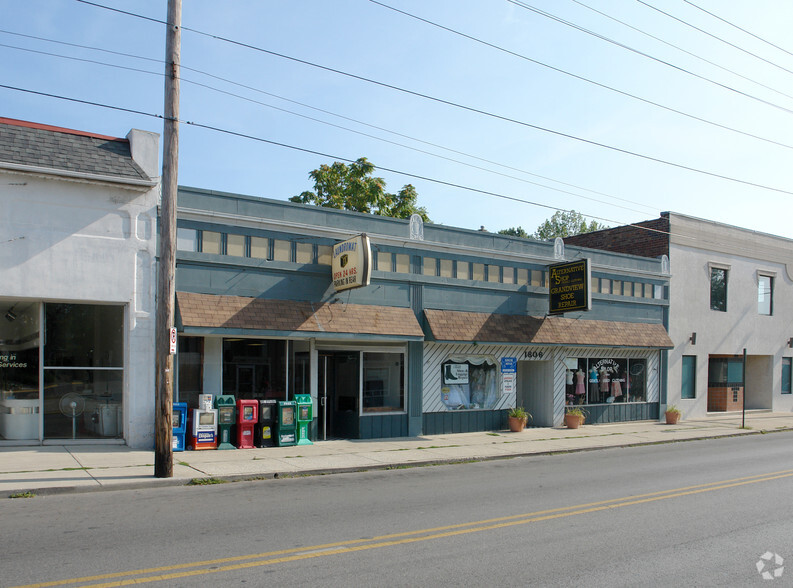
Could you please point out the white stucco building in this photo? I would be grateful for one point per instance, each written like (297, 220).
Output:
(77, 259)
(731, 289)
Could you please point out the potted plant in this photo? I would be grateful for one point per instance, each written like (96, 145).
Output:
(517, 417)
(574, 417)
(672, 414)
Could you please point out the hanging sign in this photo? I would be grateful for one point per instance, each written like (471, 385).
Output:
(352, 263)
(568, 287)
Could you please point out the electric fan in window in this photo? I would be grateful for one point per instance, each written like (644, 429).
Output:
(72, 406)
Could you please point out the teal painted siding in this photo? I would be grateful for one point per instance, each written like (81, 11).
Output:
(383, 426)
(617, 413)
(464, 421)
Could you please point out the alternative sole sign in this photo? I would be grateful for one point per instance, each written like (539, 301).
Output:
(568, 287)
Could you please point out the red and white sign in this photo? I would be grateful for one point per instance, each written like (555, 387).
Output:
(173, 342)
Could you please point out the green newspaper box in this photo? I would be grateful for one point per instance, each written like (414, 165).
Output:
(285, 424)
(305, 414)
(227, 417)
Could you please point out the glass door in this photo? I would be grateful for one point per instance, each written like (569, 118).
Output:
(339, 394)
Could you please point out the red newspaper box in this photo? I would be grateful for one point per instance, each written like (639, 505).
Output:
(247, 417)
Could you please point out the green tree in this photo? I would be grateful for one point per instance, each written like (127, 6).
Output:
(515, 232)
(352, 187)
(566, 223)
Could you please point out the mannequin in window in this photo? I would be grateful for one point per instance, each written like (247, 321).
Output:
(605, 382)
(580, 390)
(616, 387)
(593, 384)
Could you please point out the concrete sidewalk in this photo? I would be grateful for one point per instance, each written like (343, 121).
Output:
(69, 468)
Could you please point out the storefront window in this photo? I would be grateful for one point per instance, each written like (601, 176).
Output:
(19, 370)
(606, 380)
(725, 372)
(383, 382)
(254, 368)
(469, 382)
(83, 371)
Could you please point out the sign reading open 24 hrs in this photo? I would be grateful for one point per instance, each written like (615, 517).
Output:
(568, 287)
(352, 263)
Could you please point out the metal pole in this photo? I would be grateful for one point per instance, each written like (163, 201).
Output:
(743, 395)
(163, 448)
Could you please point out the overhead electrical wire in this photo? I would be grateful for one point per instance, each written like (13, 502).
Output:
(348, 160)
(582, 78)
(555, 18)
(751, 34)
(711, 35)
(301, 149)
(678, 48)
(241, 97)
(458, 105)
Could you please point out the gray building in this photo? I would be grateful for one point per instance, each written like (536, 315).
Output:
(731, 291)
(451, 332)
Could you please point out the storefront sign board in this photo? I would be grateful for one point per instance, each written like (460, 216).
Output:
(569, 287)
(352, 263)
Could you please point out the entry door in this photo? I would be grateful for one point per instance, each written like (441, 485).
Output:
(535, 391)
(338, 394)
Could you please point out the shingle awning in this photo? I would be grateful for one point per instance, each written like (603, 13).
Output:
(216, 313)
(448, 325)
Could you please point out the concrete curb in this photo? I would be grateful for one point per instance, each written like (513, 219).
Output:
(233, 478)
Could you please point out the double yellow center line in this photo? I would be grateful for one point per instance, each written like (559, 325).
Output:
(228, 564)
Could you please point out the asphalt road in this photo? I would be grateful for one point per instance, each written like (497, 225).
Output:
(698, 513)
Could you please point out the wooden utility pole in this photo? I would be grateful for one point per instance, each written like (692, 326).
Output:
(163, 449)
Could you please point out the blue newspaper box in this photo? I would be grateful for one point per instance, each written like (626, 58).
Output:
(179, 424)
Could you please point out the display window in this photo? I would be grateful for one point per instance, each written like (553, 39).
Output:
(83, 371)
(469, 382)
(254, 368)
(383, 382)
(19, 370)
(605, 381)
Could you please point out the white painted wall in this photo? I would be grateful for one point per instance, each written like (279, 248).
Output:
(86, 242)
(694, 245)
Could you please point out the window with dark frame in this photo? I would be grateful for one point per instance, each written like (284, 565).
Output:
(765, 293)
(718, 289)
(689, 377)
(787, 374)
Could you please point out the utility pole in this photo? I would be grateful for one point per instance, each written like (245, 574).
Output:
(163, 431)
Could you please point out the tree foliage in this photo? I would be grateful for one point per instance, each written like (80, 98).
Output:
(515, 232)
(352, 187)
(566, 223)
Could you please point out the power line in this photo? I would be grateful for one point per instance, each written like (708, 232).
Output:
(677, 47)
(759, 38)
(711, 35)
(550, 16)
(463, 107)
(340, 158)
(239, 96)
(582, 78)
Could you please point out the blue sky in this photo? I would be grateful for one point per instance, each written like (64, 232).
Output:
(405, 132)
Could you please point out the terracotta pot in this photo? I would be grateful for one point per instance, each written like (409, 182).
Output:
(672, 417)
(516, 425)
(573, 421)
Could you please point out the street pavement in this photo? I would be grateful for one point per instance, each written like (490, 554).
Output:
(53, 469)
